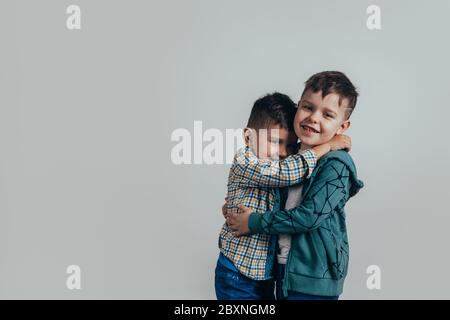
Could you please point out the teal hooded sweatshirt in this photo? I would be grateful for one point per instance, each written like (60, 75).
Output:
(317, 263)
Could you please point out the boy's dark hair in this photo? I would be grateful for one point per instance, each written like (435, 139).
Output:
(333, 82)
(273, 109)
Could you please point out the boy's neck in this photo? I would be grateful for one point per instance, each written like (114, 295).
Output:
(304, 147)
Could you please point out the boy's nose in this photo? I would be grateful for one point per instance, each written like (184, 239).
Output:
(314, 118)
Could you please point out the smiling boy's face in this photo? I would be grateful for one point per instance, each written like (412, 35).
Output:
(319, 119)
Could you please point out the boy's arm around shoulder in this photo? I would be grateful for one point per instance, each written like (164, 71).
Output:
(330, 187)
(251, 171)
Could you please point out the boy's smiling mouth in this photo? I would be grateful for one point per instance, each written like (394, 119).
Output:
(308, 129)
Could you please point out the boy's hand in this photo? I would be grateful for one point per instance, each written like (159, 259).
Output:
(238, 222)
(340, 141)
(224, 209)
(225, 212)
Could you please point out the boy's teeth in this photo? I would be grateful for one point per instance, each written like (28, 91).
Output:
(309, 129)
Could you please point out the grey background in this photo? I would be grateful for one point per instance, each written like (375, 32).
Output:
(86, 118)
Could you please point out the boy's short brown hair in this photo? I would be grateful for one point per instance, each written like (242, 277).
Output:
(273, 109)
(333, 82)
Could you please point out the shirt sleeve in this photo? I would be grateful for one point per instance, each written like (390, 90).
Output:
(330, 187)
(251, 171)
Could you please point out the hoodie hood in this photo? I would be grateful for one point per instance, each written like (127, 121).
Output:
(345, 158)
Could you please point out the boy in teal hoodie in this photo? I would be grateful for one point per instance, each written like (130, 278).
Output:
(313, 249)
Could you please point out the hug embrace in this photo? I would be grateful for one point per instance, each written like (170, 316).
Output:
(285, 235)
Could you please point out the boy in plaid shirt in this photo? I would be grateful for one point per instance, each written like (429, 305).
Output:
(269, 161)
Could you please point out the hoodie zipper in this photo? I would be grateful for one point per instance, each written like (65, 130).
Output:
(284, 286)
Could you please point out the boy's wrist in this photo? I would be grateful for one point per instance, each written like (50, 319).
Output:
(321, 150)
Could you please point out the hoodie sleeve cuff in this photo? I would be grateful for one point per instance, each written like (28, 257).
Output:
(254, 223)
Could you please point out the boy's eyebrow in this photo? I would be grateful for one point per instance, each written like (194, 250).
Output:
(325, 108)
(329, 109)
(307, 102)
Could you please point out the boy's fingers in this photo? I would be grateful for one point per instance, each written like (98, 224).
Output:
(224, 210)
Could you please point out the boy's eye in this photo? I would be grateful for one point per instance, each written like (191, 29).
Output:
(273, 139)
(329, 115)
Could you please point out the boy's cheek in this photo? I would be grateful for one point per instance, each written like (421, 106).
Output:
(297, 130)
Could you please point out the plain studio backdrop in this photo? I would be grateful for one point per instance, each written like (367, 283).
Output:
(86, 117)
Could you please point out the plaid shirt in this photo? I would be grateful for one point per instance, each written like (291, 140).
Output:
(253, 182)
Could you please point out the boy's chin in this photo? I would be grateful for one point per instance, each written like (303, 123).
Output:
(309, 141)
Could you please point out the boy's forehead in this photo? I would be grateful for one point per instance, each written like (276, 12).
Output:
(278, 131)
(330, 101)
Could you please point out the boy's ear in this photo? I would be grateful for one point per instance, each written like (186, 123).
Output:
(247, 133)
(344, 126)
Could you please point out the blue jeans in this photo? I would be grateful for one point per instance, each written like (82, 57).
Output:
(293, 295)
(232, 285)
